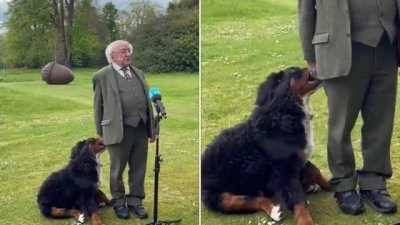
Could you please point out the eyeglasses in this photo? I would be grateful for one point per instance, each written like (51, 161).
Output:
(123, 51)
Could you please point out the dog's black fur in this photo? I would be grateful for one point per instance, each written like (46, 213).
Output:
(73, 187)
(262, 156)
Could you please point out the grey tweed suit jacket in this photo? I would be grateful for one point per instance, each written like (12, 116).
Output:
(325, 35)
(107, 105)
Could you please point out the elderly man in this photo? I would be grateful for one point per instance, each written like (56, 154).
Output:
(124, 119)
(351, 44)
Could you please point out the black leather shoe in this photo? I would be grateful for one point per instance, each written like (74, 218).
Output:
(350, 202)
(138, 211)
(379, 200)
(121, 212)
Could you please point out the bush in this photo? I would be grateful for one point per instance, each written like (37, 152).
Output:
(169, 42)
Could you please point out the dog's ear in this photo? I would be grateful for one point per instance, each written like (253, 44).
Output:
(276, 86)
(78, 149)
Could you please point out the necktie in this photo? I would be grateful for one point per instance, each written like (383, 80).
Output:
(126, 74)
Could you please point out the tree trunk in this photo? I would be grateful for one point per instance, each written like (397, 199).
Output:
(61, 54)
(70, 5)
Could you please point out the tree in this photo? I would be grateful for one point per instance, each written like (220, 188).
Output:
(35, 28)
(29, 39)
(183, 27)
(2, 52)
(87, 47)
(110, 18)
(142, 12)
(63, 34)
(169, 42)
(183, 4)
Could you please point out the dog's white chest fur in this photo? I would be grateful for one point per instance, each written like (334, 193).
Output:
(99, 169)
(308, 127)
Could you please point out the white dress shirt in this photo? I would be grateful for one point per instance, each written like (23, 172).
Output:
(118, 68)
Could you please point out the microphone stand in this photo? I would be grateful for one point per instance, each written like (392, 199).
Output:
(157, 161)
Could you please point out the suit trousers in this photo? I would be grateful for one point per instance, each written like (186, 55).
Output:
(369, 88)
(132, 150)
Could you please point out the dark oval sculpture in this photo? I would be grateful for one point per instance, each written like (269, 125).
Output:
(54, 73)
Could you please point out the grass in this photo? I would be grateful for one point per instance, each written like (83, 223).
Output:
(243, 42)
(40, 123)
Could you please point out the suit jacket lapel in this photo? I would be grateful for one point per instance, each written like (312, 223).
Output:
(113, 80)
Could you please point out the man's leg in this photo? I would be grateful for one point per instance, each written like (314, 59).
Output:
(137, 171)
(378, 115)
(345, 97)
(119, 154)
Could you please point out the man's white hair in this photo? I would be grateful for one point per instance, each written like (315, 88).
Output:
(111, 48)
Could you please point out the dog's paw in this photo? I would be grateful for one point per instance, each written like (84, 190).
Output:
(276, 213)
(80, 220)
(313, 188)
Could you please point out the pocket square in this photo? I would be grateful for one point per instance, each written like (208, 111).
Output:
(105, 122)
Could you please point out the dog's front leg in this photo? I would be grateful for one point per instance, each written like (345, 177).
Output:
(302, 215)
(89, 207)
(92, 211)
(95, 219)
(313, 176)
(101, 198)
(295, 199)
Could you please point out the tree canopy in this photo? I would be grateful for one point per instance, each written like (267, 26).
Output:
(75, 33)
(169, 42)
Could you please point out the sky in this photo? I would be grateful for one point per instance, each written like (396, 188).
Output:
(3, 9)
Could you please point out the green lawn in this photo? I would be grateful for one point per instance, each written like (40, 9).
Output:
(40, 123)
(243, 42)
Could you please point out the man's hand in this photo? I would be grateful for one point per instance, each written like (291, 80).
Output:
(312, 69)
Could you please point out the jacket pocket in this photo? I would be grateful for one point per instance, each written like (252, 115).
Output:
(320, 38)
(105, 122)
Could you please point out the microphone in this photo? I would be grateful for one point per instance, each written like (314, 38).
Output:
(155, 96)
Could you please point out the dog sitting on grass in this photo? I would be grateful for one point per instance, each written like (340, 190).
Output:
(73, 192)
(262, 163)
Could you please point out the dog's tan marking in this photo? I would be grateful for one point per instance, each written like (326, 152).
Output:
(302, 215)
(322, 182)
(316, 177)
(245, 204)
(95, 219)
(64, 213)
(101, 198)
